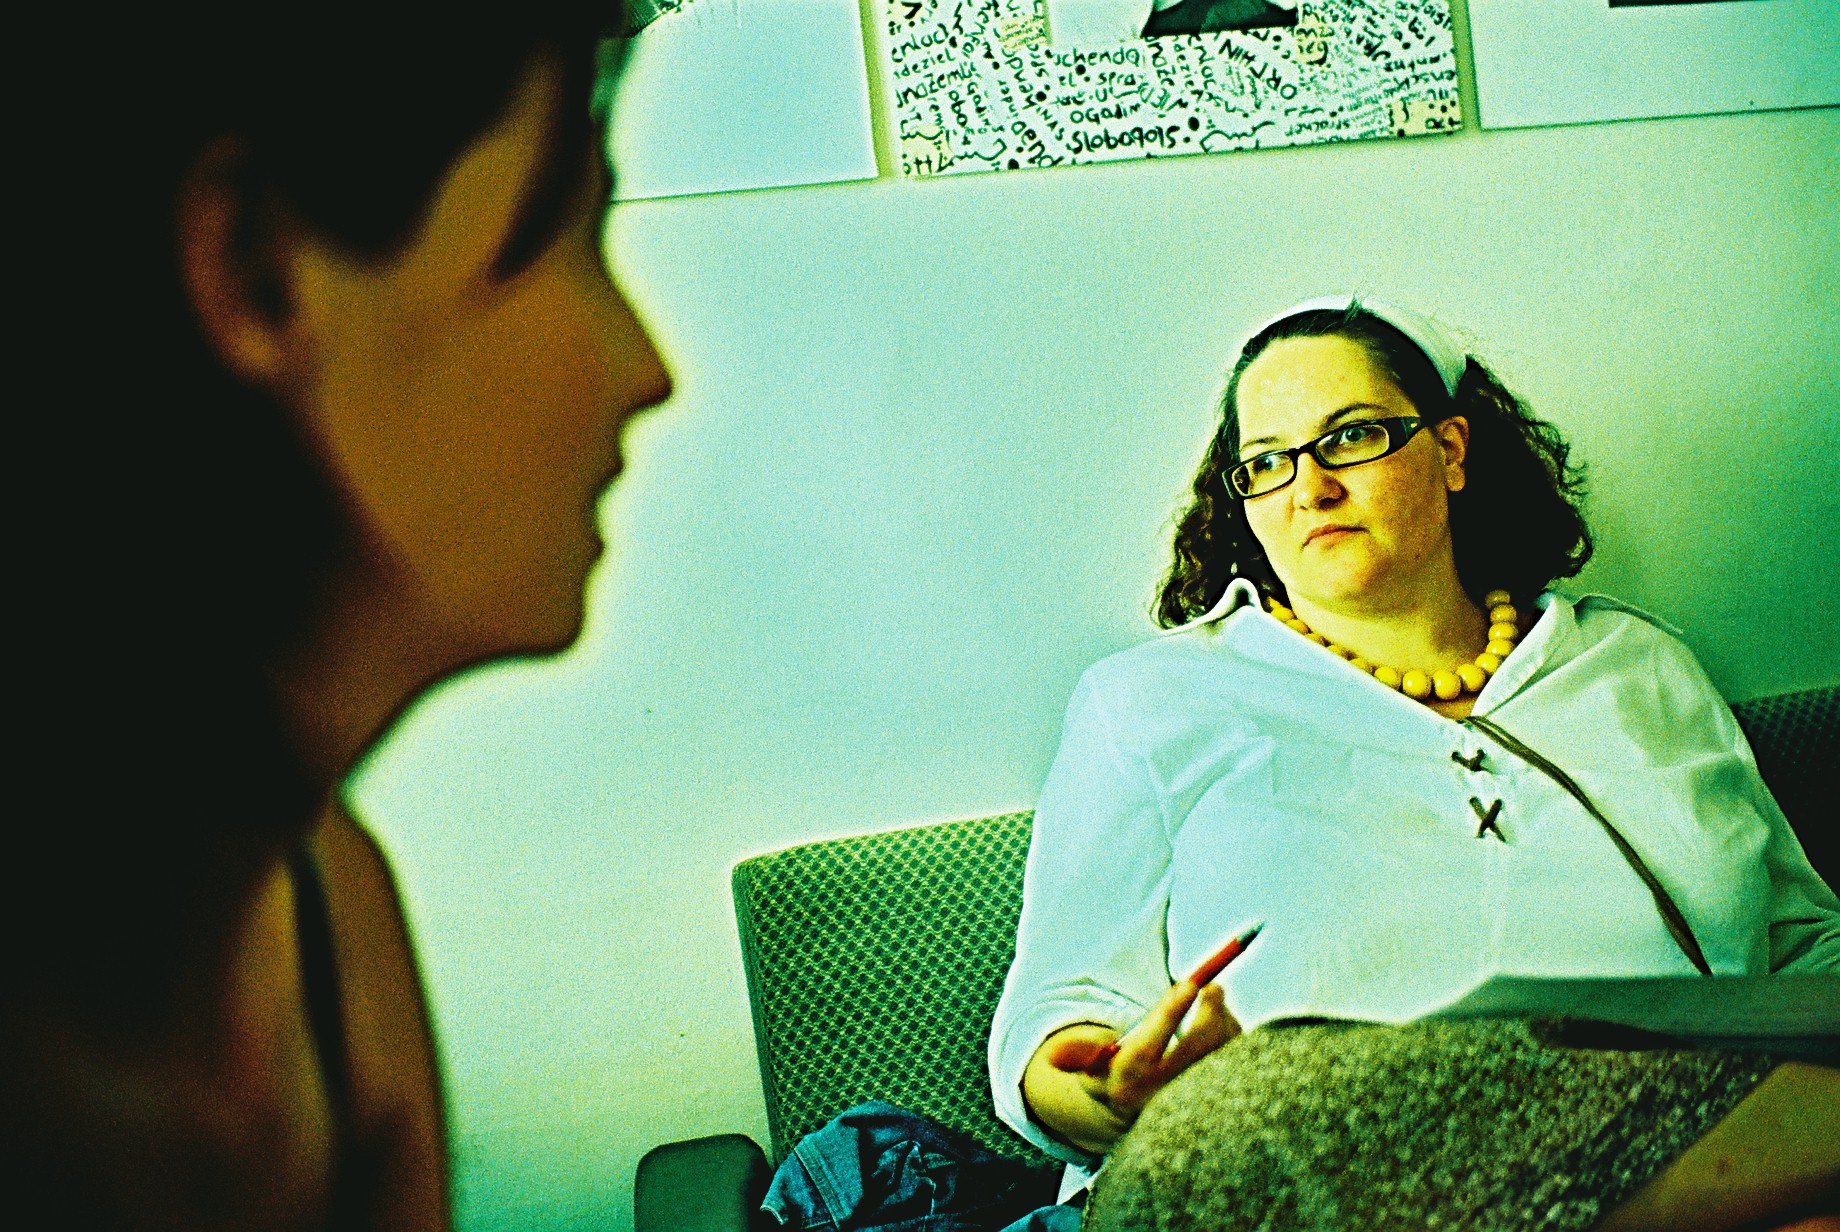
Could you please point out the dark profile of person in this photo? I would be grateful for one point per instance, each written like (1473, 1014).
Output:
(331, 371)
(1206, 16)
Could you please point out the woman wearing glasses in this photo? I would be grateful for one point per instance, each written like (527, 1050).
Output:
(1372, 729)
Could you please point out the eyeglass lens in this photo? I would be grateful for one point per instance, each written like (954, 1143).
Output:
(1345, 446)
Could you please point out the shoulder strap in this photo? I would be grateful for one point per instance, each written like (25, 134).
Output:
(319, 981)
(1617, 605)
(1670, 913)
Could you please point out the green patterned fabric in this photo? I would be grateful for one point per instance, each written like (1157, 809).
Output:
(874, 965)
(1796, 737)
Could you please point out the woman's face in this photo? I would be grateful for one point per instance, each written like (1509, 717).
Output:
(1365, 537)
(472, 421)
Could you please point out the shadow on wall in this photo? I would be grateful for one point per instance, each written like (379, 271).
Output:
(1204, 16)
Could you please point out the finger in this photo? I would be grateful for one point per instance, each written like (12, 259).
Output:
(1150, 1037)
(1101, 1064)
(1135, 1073)
(1209, 1028)
(1083, 1056)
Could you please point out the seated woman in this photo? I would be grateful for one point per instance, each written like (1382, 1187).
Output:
(1374, 730)
(330, 373)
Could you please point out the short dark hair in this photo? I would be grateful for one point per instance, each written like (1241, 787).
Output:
(1516, 525)
(179, 532)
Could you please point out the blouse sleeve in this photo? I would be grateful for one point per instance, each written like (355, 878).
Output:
(1090, 946)
(1803, 915)
(1804, 912)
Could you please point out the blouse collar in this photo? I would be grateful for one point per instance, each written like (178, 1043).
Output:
(1554, 638)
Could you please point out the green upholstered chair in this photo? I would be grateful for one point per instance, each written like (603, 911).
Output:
(874, 964)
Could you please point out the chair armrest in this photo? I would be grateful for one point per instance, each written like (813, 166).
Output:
(702, 1185)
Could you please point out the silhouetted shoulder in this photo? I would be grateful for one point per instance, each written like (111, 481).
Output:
(399, 1122)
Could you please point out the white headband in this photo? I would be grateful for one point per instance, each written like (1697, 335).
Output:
(1445, 352)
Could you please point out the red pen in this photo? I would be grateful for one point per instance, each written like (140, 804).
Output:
(1095, 1060)
(1224, 955)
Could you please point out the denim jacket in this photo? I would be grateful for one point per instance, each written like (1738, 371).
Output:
(879, 1168)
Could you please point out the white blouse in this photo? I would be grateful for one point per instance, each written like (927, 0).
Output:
(1233, 771)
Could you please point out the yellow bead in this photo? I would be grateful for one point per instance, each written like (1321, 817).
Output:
(1298, 625)
(1361, 664)
(1446, 684)
(1495, 598)
(1415, 684)
(1503, 614)
(1388, 676)
(1318, 638)
(1473, 677)
(1500, 647)
(1280, 611)
(1340, 652)
(1488, 662)
(1504, 633)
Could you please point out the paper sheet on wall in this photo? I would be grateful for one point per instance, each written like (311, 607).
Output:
(723, 95)
(979, 85)
(1579, 61)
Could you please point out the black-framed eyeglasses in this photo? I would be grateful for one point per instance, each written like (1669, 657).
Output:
(1365, 440)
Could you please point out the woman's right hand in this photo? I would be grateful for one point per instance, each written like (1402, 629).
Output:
(1089, 1103)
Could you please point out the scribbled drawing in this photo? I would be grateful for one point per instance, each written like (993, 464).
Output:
(1021, 30)
(925, 151)
(967, 72)
(1312, 35)
(1412, 117)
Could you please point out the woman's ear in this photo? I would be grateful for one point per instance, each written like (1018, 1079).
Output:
(235, 268)
(1452, 436)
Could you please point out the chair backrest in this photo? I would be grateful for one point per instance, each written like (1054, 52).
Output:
(874, 963)
(1796, 737)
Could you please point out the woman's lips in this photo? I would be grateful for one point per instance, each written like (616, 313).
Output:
(1327, 535)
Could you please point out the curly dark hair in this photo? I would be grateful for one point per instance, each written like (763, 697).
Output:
(1515, 462)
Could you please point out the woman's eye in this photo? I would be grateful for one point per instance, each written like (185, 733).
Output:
(1358, 434)
(1264, 464)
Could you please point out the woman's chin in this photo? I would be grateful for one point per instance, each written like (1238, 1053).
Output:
(1334, 591)
(539, 626)
(560, 624)
(557, 618)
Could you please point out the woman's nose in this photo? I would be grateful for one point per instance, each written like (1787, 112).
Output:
(1315, 485)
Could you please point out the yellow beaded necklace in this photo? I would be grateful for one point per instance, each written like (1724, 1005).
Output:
(1446, 683)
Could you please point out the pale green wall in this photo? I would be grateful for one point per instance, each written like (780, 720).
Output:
(918, 475)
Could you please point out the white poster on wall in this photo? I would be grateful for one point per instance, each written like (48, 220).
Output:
(724, 95)
(986, 85)
(1578, 61)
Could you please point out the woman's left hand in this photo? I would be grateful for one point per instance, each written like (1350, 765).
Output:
(1150, 1055)
(1089, 1087)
